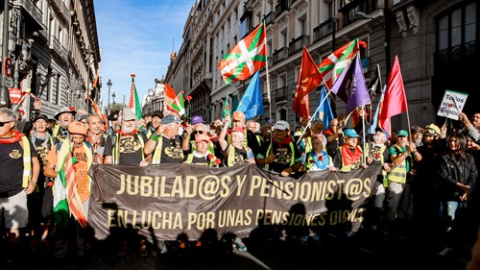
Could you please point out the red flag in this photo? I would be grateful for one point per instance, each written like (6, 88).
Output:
(395, 100)
(170, 96)
(309, 78)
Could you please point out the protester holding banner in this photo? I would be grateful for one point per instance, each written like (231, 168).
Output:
(201, 156)
(235, 152)
(165, 145)
(317, 159)
(402, 155)
(126, 146)
(349, 156)
(282, 154)
(254, 136)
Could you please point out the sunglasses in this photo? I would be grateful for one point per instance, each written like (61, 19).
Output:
(198, 132)
(3, 123)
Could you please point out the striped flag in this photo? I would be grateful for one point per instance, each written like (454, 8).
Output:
(178, 105)
(245, 58)
(66, 200)
(332, 66)
(134, 103)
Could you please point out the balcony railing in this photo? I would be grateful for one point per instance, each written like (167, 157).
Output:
(366, 6)
(323, 30)
(298, 43)
(456, 58)
(280, 54)
(55, 44)
(31, 9)
(281, 7)
(282, 94)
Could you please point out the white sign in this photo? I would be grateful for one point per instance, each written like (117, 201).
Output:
(452, 104)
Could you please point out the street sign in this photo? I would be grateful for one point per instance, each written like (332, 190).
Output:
(452, 104)
(8, 67)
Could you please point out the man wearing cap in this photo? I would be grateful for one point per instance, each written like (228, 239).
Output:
(64, 117)
(126, 146)
(40, 202)
(235, 152)
(165, 145)
(197, 127)
(349, 156)
(282, 154)
(72, 156)
(402, 155)
(20, 170)
(152, 125)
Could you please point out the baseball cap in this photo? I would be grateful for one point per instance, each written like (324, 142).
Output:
(41, 116)
(238, 115)
(171, 118)
(127, 114)
(65, 110)
(281, 125)
(77, 127)
(350, 132)
(238, 129)
(201, 138)
(402, 133)
(197, 119)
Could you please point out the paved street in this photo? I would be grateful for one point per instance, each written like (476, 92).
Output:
(360, 252)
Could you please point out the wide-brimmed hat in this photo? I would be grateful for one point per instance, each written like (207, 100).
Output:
(65, 110)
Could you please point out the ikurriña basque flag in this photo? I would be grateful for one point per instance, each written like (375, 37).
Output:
(252, 101)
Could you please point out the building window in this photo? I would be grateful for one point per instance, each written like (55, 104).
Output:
(281, 114)
(457, 26)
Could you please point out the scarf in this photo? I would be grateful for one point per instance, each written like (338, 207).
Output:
(350, 157)
(16, 136)
(45, 143)
(286, 141)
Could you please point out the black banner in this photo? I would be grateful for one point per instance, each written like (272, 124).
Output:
(172, 199)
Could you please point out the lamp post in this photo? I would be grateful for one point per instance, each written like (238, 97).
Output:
(385, 41)
(113, 97)
(4, 94)
(109, 84)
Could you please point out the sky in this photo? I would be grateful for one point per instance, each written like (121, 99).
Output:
(137, 37)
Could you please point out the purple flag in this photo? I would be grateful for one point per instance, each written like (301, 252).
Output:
(351, 87)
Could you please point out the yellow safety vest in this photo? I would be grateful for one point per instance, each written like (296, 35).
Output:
(399, 173)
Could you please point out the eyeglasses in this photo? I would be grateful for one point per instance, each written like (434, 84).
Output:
(3, 123)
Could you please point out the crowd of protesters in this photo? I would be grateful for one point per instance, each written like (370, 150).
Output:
(423, 191)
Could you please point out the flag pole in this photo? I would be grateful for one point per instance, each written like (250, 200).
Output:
(269, 96)
(363, 135)
(316, 111)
